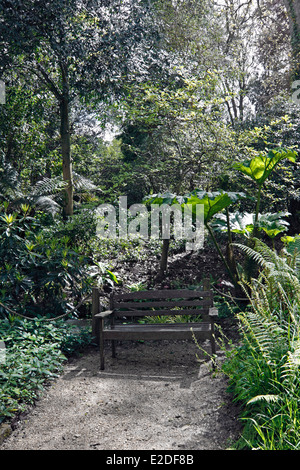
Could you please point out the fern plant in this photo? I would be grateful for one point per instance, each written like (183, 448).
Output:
(278, 284)
(46, 195)
(264, 371)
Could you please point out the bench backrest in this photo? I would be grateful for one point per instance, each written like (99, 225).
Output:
(162, 302)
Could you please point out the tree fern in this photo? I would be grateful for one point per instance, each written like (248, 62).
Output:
(46, 194)
(82, 184)
(48, 186)
(10, 182)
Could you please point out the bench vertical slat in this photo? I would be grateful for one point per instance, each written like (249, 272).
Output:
(98, 326)
(101, 343)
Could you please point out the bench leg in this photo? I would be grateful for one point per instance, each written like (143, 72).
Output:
(213, 351)
(213, 345)
(101, 344)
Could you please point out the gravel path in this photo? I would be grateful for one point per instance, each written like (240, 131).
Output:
(154, 395)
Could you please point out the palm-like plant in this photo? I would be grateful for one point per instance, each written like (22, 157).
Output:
(47, 194)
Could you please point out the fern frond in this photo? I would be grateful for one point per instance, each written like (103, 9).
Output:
(291, 368)
(252, 253)
(263, 333)
(82, 184)
(267, 398)
(48, 186)
(10, 182)
(46, 204)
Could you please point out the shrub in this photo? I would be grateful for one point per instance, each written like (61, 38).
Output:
(40, 272)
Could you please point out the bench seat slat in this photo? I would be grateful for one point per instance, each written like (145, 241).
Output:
(158, 331)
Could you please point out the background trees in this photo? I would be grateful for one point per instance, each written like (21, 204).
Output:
(190, 86)
(76, 50)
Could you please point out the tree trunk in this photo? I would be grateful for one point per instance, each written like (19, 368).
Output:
(293, 9)
(66, 145)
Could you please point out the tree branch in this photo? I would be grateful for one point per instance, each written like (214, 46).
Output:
(51, 85)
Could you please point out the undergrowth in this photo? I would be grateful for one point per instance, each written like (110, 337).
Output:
(264, 369)
(35, 352)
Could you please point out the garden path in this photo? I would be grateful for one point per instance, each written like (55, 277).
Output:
(153, 396)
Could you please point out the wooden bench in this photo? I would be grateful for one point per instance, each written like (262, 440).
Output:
(127, 307)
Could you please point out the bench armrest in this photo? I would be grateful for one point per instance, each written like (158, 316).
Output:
(213, 312)
(104, 314)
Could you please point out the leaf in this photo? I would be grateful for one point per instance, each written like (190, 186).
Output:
(240, 222)
(164, 198)
(112, 276)
(273, 224)
(268, 398)
(213, 202)
(260, 167)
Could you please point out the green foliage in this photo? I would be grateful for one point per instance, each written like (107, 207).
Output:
(39, 272)
(264, 370)
(243, 223)
(35, 353)
(28, 123)
(273, 224)
(260, 167)
(213, 202)
(79, 230)
(169, 139)
(171, 319)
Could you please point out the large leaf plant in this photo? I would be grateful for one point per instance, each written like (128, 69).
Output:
(260, 167)
(213, 203)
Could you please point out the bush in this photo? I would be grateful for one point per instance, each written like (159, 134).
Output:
(40, 273)
(35, 353)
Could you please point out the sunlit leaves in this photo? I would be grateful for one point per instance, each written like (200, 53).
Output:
(243, 223)
(213, 202)
(260, 167)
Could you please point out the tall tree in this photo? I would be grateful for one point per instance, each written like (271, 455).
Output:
(76, 48)
(293, 9)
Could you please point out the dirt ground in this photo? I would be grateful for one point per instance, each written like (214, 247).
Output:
(153, 396)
